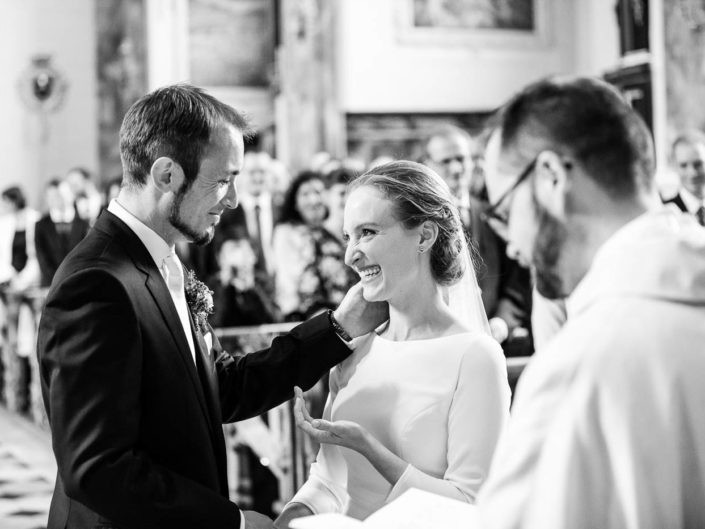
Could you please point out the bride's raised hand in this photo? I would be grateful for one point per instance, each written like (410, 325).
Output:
(342, 433)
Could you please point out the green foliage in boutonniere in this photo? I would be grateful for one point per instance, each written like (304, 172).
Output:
(200, 300)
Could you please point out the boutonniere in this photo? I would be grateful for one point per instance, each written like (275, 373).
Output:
(200, 300)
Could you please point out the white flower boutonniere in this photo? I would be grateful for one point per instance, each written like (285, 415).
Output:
(200, 300)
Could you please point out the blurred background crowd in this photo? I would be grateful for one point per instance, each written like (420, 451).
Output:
(278, 256)
(334, 88)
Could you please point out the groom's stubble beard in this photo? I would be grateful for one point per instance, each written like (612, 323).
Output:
(547, 251)
(184, 229)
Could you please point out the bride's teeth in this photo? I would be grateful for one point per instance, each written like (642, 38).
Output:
(369, 272)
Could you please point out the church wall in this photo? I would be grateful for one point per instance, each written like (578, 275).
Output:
(33, 151)
(388, 66)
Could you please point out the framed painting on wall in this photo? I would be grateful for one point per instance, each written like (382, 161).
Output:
(231, 42)
(484, 23)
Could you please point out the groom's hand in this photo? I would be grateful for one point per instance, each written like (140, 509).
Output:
(358, 316)
(255, 520)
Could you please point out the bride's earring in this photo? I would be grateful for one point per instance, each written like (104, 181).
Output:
(422, 249)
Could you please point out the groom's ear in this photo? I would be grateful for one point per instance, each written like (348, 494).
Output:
(428, 233)
(167, 175)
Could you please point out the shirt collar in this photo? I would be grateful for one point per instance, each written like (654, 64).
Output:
(156, 246)
(692, 203)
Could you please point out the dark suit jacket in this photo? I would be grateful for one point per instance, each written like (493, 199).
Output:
(505, 284)
(135, 424)
(233, 222)
(51, 248)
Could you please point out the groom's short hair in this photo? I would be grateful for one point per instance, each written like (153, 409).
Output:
(174, 121)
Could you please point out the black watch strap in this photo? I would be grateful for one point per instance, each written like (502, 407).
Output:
(338, 328)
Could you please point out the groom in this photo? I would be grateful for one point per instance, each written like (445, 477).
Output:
(134, 383)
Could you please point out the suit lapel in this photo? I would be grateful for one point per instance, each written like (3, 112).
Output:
(157, 288)
(206, 368)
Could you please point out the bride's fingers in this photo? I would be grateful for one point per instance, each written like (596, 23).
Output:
(299, 411)
(300, 400)
(304, 409)
(314, 433)
(320, 424)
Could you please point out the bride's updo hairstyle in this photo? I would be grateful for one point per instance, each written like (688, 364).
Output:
(419, 195)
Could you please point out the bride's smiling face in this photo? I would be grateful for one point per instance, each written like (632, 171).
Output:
(379, 248)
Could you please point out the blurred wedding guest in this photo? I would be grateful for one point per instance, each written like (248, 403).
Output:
(18, 271)
(336, 183)
(18, 260)
(256, 211)
(58, 231)
(505, 283)
(476, 184)
(688, 157)
(309, 271)
(88, 199)
(608, 423)
(238, 298)
(448, 153)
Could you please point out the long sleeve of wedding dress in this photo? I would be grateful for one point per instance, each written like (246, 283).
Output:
(439, 404)
(478, 414)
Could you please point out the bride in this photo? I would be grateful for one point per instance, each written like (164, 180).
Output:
(422, 401)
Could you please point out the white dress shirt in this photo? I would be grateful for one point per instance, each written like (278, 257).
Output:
(159, 250)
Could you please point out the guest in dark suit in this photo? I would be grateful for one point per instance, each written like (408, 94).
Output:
(57, 232)
(688, 156)
(134, 382)
(257, 212)
(505, 284)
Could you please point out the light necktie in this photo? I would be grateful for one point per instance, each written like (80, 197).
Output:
(174, 277)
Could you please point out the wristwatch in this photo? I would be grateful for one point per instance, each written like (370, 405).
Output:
(338, 328)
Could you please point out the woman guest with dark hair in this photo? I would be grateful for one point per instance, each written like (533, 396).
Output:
(309, 272)
(18, 260)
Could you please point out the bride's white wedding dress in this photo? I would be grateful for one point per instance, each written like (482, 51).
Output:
(439, 404)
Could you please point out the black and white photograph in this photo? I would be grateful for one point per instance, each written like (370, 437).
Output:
(352, 264)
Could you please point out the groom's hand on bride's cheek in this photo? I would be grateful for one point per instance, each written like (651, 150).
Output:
(358, 316)
(255, 520)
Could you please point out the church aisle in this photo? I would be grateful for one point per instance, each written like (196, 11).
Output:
(27, 473)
